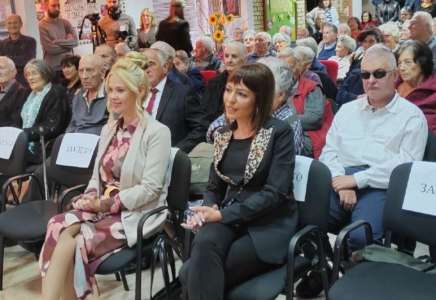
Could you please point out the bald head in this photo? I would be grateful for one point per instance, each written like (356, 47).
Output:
(108, 55)
(13, 25)
(91, 71)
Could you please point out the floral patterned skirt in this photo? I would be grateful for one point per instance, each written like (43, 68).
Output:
(100, 236)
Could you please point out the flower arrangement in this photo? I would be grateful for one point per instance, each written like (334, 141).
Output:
(217, 21)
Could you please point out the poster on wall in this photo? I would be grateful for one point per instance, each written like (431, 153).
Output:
(279, 13)
(232, 7)
(6, 9)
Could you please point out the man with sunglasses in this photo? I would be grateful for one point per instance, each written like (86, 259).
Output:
(368, 138)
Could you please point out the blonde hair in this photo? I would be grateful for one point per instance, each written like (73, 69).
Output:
(130, 69)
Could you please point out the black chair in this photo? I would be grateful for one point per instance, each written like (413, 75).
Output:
(26, 223)
(430, 149)
(15, 165)
(380, 280)
(306, 248)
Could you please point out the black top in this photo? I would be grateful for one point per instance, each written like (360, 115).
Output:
(235, 159)
(176, 34)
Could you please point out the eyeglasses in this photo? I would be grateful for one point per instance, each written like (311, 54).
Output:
(378, 74)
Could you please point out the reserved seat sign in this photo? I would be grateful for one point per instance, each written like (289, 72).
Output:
(8, 138)
(301, 176)
(420, 193)
(76, 150)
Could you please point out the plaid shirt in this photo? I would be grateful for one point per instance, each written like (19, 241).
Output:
(284, 113)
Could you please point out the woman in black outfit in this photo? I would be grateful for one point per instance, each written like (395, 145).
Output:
(71, 80)
(248, 215)
(46, 108)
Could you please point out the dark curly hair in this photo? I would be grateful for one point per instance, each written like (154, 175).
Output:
(422, 55)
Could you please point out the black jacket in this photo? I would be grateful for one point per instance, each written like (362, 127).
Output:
(263, 202)
(180, 110)
(176, 34)
(212, 98)
(11, 104)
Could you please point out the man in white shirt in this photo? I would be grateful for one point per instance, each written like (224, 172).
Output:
(368, 138)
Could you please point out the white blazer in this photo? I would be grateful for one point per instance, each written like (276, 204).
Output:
(144, 174)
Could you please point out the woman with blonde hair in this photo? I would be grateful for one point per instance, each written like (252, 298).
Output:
(128, 180)
(147, 29)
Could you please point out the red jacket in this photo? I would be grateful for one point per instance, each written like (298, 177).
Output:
(317, 137)
(424, 96)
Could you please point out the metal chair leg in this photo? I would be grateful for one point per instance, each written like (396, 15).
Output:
(117, 276)
(2, 252)
(124, 280)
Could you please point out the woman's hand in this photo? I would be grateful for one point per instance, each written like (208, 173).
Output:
(208, 214)
(88, 202)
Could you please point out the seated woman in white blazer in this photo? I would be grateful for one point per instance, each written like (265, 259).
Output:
(128, 180)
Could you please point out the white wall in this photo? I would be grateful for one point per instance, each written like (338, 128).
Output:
(134, 7)
(26, 9)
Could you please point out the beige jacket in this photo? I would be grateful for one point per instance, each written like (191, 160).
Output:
(143, 180)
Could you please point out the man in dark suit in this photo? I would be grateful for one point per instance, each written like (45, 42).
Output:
(174, 104)
(12, 94)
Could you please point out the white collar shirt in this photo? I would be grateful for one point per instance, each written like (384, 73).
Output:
(160, 87)
(381, 139)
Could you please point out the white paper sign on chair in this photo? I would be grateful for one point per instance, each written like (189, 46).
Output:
(76, 150)
(8, 137)
(420, 193)
(301, 175)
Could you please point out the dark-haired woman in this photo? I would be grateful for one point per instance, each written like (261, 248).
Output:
(70, 70)
(416, 82)
(248, 215)
(367, 20)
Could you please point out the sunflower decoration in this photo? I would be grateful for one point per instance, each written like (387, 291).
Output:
(229, 18)
(218, 36)
(222, 19)
(213, 20)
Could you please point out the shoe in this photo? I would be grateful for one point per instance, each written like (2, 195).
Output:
(310, 285)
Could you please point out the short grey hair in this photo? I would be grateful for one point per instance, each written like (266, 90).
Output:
(348, 42)
(345, 27)
(95, 59)
(9, 63)
(265, 35)
(380, 50)
(304, 55)
(161, 56)
(308, 42)
(281, 71)
(286, 52)
(332, 27)
(425, 17)
(206, 42)
(164, 47)
(392, 29)
(42, 67)
(183, 56)
(240, 47)
(286, 30)
(248, 34)
(281, 37)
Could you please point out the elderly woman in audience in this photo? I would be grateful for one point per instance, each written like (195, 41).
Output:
(345, 46)
(367, 20)
(344, 29)
(128, 180)
(147, 29)
(234, 56)
(406, 13)
(249, 213)
(281, 40)
(416, 82)
(391, 35)
(355, 28)
(405, 32)
(262, 46)
(248, 38)
(326, 9)
(281, 109)
(313, 110)
(70, 70)
(45, 111)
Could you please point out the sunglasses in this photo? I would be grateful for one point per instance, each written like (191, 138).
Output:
(378, 74)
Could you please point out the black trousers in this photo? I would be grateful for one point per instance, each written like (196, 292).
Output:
(221, 258)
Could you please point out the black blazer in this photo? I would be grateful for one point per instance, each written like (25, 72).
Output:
(263, 203)
(213, 96)
(176, 34)
(180, 110)
(11, 104)
(52, 117)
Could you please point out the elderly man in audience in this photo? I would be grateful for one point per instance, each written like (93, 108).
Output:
(174, 104)
(203, 58)
(313, 110)
(344, 48)
(18, 47)
(234, 56)
(391, 35)
(369, 137)
(327, 47)
(352, 86)
(421, 30)
(108, 55)
(12, 94)
(58, 37)
(262, 46)
(282, 110)
(89, 109)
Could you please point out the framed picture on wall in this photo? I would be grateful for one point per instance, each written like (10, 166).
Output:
(7, 7)
(232, 7)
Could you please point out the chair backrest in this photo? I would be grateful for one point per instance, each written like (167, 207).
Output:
(178, 190)
(315, 209)
(417, 226)
(68, 176)
(207, 75)
(430, 149)
(332, 68)
(16, 163)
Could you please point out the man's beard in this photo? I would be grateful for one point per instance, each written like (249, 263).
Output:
(54, 14)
